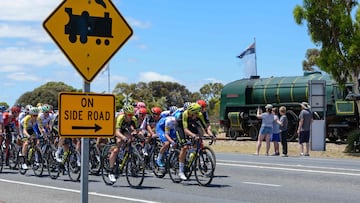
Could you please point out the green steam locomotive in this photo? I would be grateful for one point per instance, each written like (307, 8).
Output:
(241, 98)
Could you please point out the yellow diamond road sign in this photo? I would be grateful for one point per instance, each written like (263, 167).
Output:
(86, 115)
(89, 32)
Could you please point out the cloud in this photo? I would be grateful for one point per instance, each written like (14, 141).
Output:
(30, 56)
(137, 23)
(152, 76)
(22, 31)
(27, 10)
(22, 76)
(10, 68)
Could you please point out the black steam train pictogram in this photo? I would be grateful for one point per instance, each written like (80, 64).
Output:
(85, 25)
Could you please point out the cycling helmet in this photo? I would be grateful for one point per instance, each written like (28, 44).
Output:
(186, 105)
(156, 110)
(15, 109)
(202, 103)
(140, 105)
(142, 111)
(172, 109)
(2, 108)
(194, 108)
(34, 111)
(27, 108)
(45, 108)
(39, 104)
(128, 109)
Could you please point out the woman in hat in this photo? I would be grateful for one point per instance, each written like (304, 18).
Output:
(266, 128)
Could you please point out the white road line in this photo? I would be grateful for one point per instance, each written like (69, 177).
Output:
(290, 169)
(298, 165)
(76, 191)
(263, 184)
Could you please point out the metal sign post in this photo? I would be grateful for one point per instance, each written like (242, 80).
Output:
(89, 33)
(84, 176)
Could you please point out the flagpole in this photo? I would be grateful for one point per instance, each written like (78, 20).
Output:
(255, 57)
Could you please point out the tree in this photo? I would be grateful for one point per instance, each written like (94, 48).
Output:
(211, 90)
(4, 104)
(332, 28)
(311, 55)
(46, 94)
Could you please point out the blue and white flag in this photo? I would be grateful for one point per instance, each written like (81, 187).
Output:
(249, 50)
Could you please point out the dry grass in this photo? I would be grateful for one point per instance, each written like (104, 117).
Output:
(246, 146)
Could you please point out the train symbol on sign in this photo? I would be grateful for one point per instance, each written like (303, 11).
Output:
(85, 25)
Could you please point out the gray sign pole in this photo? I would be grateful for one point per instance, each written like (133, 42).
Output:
(84, 178)
(317, 101)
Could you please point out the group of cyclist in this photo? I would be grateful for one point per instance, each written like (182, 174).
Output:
(173, 126)
(29, 122)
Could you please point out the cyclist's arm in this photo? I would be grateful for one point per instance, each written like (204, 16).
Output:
(40, 124)
(205, 124)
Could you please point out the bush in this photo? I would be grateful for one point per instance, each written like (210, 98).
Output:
(352, 138)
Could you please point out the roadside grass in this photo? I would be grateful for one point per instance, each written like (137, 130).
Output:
(246, 146)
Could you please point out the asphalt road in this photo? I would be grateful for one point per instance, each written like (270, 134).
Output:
(238, 178)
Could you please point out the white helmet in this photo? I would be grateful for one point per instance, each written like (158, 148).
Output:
(34, 111)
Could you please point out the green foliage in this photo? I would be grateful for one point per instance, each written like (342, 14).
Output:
(47, 93)
(4, 104)
(353, 137)
(155, 93)
(332, 27)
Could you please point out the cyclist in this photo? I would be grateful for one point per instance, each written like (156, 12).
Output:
(126, 124)
(148, 126)
(204, 112)
(11, 125)
(30, 124)
(150, 121)
(169, 112)
(44, 119)
(22, 115)
(167, 134)
(2, 109)
(189, 128)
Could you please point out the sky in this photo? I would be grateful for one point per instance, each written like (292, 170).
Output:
(192, 43)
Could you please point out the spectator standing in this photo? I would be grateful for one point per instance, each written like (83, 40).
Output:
(305, 120)
(275, 137)
(266, 129)
(283, 130)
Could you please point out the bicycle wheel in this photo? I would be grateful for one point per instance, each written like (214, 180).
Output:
(172, 165)
(188, 169)
(135, 170)
(52, 165)
(22, 160)
(105, 166)
(212, 153)
(158, 171)
(37, 163)
(204, 168)
(1, 159)
(94, 160)
(72, 166)
(13, 156)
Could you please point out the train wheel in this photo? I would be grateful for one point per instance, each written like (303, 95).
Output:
(292, 125)
(233, 134)
(253, 132)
